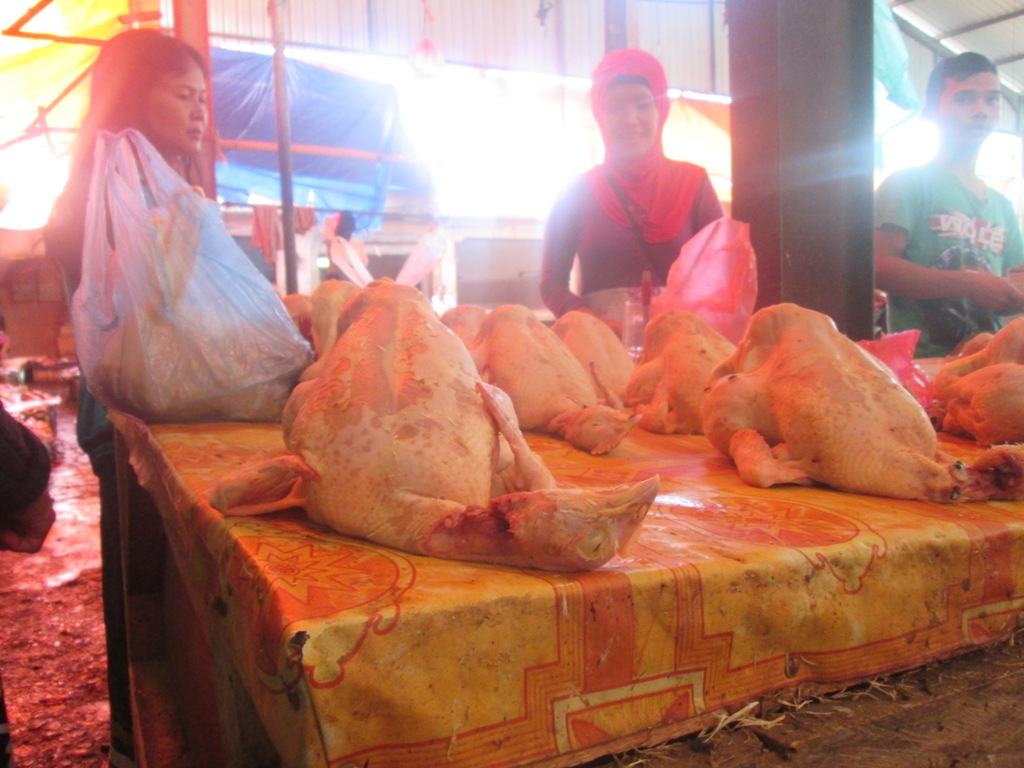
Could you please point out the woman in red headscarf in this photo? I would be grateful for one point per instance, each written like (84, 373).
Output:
(633, 212)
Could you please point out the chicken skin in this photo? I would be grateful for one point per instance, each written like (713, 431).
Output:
(981, 395)
(599, 350)
(326, 303)
(550, 389)
(667, 388)
(399, 441)
(799, 402)
(465, 321)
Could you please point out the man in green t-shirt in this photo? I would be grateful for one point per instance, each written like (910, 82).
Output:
(943, 239)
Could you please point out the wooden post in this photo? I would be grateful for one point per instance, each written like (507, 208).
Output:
(803, 135)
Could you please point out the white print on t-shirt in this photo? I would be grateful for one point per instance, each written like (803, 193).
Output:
(979, 233)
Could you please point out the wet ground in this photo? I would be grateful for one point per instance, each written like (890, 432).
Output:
(51, 626)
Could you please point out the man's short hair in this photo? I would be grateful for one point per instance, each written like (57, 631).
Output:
(957, 67)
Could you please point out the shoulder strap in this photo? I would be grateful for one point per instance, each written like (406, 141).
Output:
(624, 202)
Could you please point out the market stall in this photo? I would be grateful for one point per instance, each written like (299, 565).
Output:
(348, 653)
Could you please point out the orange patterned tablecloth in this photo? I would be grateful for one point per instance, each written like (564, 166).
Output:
(354, 652)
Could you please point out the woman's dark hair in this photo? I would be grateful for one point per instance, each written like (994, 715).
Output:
(128, 66)
(957, 67)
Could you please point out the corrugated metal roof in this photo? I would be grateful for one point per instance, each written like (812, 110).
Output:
(564, 37)
(994, 28)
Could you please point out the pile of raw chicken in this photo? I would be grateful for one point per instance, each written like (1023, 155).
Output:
(408, 428)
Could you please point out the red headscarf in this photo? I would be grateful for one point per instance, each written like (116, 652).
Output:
(662, 190)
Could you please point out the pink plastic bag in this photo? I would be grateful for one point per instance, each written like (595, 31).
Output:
(715, 277)
(896, 350)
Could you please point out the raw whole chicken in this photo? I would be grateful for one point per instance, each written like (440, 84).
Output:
(667, 389)
(981, 395)
(974, 344)
(799, 402)
(549, 387)
(599, 350)
(327, 301)
(400, 442)
(465, 321)
(300, 310)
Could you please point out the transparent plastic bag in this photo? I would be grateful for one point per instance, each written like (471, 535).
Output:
(172, 321)
(715, 277)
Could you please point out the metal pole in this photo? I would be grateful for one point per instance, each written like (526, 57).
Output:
(284, 149)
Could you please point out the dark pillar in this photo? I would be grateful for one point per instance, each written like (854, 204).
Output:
(803, 132)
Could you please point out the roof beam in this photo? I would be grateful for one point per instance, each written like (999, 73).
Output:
(15, 29)
(982, 24)
(1008, 59)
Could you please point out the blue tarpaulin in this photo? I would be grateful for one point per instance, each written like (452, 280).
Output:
(327, 109)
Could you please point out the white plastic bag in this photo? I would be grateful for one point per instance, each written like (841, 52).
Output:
(345, 258)
(172, 321)
(425, 256)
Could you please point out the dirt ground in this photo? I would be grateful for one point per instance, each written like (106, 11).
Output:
(52, 655)
(964, 712)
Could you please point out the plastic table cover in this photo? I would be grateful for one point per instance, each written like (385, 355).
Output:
(356, 653)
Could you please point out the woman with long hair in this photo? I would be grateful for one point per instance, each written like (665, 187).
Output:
(152, 82)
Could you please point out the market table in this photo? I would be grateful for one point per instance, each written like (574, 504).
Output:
(36, 409)
(353, 654)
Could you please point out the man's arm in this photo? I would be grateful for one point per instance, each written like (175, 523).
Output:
(26, 513)
(900, 277)
(28, 532)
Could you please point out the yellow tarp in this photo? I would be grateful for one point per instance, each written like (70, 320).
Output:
(356, 653)
(41, 104)
(33, 73)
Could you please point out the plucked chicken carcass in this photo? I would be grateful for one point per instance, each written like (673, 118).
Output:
(799, 402)
(549, 388)
(465, 321)
(599, 350)
(326, 303)
(667, 388)
(400, 442)
(300, 309)
(981, 394)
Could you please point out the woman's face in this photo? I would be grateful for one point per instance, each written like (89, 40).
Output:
(176, 113)
(629, 121)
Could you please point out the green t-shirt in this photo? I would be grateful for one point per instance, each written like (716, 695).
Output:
(948, 228)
